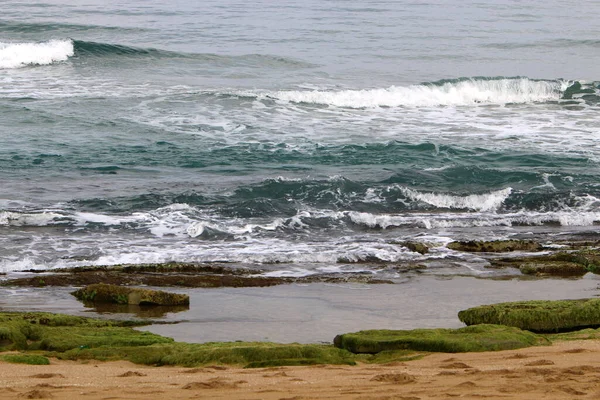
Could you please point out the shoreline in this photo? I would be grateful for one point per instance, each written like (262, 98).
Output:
(564, 370)
(288, 324)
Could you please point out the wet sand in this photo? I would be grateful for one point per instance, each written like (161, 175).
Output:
(565, 370)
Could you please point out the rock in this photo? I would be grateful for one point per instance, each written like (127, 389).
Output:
(102, 293)
(537, 315)
(571, 90)
(498, 246)
(416, 247)
(178, 274)
(553, 268)
(577, 88)
(563, 263)
(472, 338)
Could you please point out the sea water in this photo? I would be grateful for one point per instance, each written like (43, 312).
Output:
(295, 137)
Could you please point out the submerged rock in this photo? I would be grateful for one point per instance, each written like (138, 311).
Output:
(553, 268)
(473, 338)
(497, 246)
(562, 263)
(103, 293)
(416, 247)
(537, 315)
(177, 274)
(577, 88)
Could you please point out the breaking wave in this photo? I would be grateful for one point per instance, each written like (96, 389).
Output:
(18, 55)
(479, 202)
(464, 91)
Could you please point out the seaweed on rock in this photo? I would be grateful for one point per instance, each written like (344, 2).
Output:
(77, 338)
(102, 293)
(537, 315)
(497, 246)
(473, 338)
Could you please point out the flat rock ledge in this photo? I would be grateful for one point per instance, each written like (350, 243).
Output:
(102, 293)
(537, 315)
(483, 337)
(562, 263)
(497, 246)
(177, 275)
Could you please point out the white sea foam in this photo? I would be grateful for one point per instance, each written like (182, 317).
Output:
(45, 218)
(547, 184)
(17, 55)
(25, 263)
(466, 92)
(479, 202)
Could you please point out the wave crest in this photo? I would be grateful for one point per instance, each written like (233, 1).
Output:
(479, 202)
(18, 55)
(446, 93)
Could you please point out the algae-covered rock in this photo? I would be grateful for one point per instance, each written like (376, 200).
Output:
(102, 293)
(553, 268)
(562, 263)
(537, 315)
(180, 275)
(45, 331)
(590, 258)
(497, 246)
(79, 338)
(473, 338)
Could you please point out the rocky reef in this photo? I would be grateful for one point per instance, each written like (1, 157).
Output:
(537, 315)
(498, 246)
(175, 274)
(78, 338)
(561, 263)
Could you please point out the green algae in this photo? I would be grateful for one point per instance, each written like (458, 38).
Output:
(391, 356)
(537, 315)
(79, 338)
(582, 334)
(472, 338)
(59, 332)
(31, 359)
(247, 354)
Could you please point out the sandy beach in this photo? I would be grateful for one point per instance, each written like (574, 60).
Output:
(563, 370)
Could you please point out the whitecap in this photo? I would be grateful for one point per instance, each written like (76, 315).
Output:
(465, 92)
(18, 55)
(480, 202)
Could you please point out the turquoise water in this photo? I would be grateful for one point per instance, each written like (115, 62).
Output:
(296, 137)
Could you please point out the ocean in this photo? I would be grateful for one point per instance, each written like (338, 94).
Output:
(298, 138)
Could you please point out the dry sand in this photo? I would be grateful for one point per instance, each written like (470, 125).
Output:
(567, 370)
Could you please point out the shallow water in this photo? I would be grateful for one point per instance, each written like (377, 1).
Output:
(317, 312)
